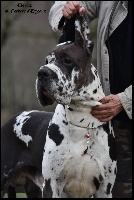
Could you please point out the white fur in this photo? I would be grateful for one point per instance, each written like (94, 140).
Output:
(68, 42)
(20, 121)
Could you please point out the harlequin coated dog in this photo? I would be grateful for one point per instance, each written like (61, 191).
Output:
(79, 159)
(68, 153)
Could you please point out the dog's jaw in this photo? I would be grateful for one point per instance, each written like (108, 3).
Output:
(82, 103)
(83, 117)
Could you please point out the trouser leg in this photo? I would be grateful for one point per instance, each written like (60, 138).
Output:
(123, 137)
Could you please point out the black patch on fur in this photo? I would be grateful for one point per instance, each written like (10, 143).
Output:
(108, 188)
(70, 109)
(47, 192)
(109, 169)
(95, 91)
(60, 89)
(81, 120)
(97, 183)
(95, 72)
(115, 171)
(55, 134)
(58, 192)
(112, 147)
(24, 120)
(75, 79)
(69, 85)
(64, 79)
(85, 152)
(66, 123)
(100, 178)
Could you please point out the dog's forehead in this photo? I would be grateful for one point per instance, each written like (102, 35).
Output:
(63, 47)
(72, 49)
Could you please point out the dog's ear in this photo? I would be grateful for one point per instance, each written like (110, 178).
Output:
(76, 30)
(82, 33)
(68, 31)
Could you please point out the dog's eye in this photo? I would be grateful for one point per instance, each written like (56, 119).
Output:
(67, 60)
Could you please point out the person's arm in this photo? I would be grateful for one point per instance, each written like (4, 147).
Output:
(60, 7)
(56, 14)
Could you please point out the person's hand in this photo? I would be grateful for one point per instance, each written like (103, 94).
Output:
(110, 107)
(71, 8)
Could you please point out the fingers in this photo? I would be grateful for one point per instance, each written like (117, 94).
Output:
(105, 119)
(109, 98)
(102, 115)
(110, 107)
(71, 8)
(102, 107)
(82, 10)
(103, 111)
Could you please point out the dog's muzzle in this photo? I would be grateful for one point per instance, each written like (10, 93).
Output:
(45, 77)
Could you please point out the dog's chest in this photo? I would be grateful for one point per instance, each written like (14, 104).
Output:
(68, 145)
(73, 143)
(73, 156)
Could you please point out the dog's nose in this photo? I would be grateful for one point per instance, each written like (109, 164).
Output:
(45, 72)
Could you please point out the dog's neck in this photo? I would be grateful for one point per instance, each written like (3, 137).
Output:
(78, 111)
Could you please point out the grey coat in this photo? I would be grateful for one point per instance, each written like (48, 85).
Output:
(102, 11)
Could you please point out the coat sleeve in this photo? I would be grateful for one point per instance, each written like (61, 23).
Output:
(126, 100)
(55, 14)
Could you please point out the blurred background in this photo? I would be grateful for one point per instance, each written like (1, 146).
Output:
(26, 39)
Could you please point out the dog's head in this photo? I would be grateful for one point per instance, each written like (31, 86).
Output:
(68, 66)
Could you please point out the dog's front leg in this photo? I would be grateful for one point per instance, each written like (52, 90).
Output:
(49, 192)
(105, 191)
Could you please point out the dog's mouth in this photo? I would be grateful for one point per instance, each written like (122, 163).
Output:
(47, 94)
(45, 98)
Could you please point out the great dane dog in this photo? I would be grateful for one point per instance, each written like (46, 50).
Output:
(68, 153)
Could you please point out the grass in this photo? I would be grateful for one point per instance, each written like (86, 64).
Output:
(18, 195)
